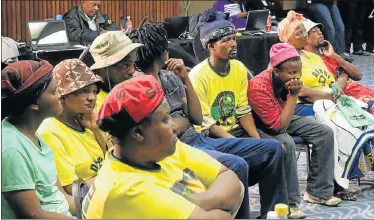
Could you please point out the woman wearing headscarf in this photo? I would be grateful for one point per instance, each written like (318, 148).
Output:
(30, 188)
(77, 143)
(317, 98)
(318, 80)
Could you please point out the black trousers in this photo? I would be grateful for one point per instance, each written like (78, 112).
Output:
(353, 16)
(369, 26)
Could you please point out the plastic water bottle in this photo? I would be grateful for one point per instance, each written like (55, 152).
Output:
(128, 24)
(281, 210)
(268, 23)
(58, 17)
(272, 215)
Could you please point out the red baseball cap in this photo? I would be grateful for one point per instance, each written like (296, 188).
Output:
(128, 103)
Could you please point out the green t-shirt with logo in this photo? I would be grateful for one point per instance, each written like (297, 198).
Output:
(26, 167)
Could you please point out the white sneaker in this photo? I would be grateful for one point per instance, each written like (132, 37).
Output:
(296, 213)
(333, 201)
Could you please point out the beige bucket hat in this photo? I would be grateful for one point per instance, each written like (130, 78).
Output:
(111, 47)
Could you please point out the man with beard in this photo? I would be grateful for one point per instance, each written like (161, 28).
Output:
(221, 83)
(346, 74)
(237, 154)
(219, 77)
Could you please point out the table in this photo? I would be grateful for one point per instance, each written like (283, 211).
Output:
(52, 56)
(253, 51)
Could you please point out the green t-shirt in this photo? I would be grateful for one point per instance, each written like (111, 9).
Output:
(24, 167)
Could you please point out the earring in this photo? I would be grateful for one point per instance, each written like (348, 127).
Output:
(35, 107)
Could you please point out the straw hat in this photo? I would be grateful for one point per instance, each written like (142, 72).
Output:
(111, 47)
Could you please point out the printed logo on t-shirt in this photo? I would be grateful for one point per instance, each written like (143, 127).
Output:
(180, 187)
(322, 76)
(223, 108)
(96, 165)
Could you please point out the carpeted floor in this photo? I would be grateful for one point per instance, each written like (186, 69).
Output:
(363, 208)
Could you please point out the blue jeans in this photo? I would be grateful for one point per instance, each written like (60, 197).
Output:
(329, 16)
(304, 110)
(254, 161)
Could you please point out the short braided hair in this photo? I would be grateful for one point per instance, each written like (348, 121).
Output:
(154, 37)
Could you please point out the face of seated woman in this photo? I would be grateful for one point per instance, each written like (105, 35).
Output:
(299, 37)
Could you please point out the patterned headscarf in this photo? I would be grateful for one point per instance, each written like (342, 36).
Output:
(72, 74)
(213, 26)
(22, 83)
(288, 25)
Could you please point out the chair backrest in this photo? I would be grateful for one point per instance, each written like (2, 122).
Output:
(175, 26)
(79, 190)
(200, 52)
(193, 21)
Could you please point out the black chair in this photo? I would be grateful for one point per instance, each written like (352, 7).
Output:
(79, 190)
(302, 146)
(175, 26)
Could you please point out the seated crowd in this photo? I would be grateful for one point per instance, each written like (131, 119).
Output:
(153, 140)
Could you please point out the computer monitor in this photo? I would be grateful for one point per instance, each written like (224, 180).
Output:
(47, 33)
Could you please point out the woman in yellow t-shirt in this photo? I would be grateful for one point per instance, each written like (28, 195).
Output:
(77, 143)
(319, 82)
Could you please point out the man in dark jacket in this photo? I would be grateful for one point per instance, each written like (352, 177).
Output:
(85, 22)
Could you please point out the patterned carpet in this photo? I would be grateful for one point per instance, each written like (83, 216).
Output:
(363, 208)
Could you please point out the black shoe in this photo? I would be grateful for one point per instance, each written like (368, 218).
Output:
(369, 49)
(361, 52)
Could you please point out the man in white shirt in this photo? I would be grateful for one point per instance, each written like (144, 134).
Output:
(85, 22)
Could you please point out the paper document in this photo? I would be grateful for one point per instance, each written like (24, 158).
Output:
(233, 9)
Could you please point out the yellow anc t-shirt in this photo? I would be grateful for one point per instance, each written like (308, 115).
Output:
(122, 191)
(223, 99)
(77, 154)
(100, 99)
(314, 72)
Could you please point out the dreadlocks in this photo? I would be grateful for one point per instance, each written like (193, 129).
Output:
(154, 38)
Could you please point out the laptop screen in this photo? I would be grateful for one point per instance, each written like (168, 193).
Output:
(256, 20)
(48, 33)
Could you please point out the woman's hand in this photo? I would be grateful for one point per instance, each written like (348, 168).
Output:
(88, 120)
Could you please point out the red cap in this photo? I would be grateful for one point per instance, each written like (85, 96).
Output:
(130, 102)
